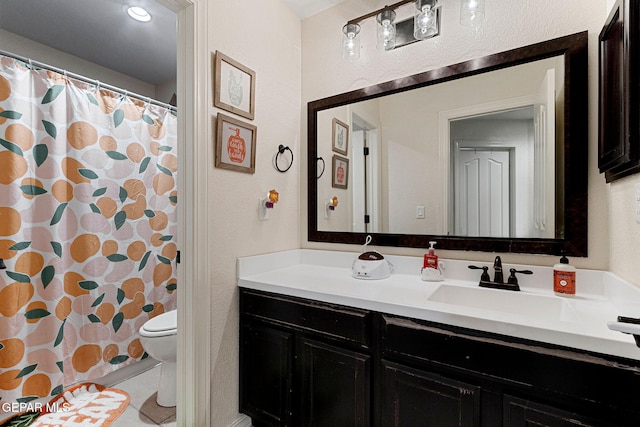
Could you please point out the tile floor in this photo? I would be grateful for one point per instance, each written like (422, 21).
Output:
(143, 409)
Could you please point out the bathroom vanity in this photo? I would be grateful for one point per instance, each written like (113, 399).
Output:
(318, 347)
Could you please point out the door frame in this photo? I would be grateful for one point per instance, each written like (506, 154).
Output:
(444, 138)
(194, 343)
(371, 164)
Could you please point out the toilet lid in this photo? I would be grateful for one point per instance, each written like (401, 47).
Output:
(163, 322)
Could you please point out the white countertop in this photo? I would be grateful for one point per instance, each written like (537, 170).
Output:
(534, 313)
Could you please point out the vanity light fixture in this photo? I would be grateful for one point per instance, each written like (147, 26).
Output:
(139, 14)
(424, 24)
(471, 12)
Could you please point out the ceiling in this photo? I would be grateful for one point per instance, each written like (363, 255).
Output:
(101, 32)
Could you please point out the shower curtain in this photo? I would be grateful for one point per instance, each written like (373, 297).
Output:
(87, 228)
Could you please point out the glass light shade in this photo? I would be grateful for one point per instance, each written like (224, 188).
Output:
(471, 12)
(351, 42)
(386, 30)
(425, 24)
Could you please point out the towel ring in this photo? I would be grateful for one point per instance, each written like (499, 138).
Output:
(281, 150)
(323, 165)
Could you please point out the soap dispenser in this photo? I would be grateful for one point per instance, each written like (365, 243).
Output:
(564, 278)
(431, 268)
(430, 258)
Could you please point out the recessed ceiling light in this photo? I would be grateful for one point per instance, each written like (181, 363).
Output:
(139, 14)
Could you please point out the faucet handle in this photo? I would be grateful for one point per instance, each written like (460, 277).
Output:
(513, 280)
(485, 274)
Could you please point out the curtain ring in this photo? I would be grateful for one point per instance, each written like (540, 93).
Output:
(97, 85)
(281, 150)
(323, 165)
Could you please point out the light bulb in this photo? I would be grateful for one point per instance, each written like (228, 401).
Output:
(351, 42)
(424, 23)
(386, 35)
(386, 30)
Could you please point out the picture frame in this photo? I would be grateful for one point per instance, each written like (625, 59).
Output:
(235, 144)
(234, 86)
(339, 172)
(340, 137)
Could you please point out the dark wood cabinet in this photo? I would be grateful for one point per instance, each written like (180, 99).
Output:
(619, 92)
(307, 363)
(419, 398)
(267, 366)
(304, 363)
(524, 413)
(335, 386)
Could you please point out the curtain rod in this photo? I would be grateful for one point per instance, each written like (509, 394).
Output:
(87, 80)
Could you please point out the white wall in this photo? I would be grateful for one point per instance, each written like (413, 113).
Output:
(264, 36)
(508, 24)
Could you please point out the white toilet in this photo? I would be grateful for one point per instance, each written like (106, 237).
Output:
(158, 338)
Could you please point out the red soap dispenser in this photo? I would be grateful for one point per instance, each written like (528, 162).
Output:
(430, 258)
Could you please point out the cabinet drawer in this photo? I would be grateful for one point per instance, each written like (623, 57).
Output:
(523, 412)
(331, 320)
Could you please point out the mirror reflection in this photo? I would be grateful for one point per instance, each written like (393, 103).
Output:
(468, 157)
(488, 154)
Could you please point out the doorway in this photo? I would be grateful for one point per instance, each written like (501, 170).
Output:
(483, 182)
(365, 148)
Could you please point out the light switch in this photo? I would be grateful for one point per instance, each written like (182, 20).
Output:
(420, 212)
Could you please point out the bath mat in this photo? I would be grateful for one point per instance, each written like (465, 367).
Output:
(83, 404)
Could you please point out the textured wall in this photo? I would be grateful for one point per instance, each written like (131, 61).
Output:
(508, 24)
(264, 36)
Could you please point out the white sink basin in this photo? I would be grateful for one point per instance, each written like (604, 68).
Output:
(502, 301)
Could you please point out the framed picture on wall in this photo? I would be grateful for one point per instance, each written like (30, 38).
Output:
(234, 86)
(339, 172)
(235, 145)
(340, 137)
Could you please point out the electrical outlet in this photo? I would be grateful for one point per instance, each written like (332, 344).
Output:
(420, 212)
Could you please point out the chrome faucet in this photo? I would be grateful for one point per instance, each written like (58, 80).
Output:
(498, 276)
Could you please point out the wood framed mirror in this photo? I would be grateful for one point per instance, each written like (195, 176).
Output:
(419, 183)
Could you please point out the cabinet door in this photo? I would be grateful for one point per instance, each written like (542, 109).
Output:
(420, 399)
(266, 367)
(619, 113)
(523, 413)
(334, 386)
